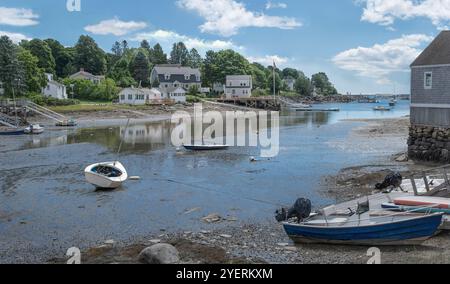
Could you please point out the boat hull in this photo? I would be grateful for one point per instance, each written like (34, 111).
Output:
(412, 231)
(205, 147)
(104, 182)
(12, 133)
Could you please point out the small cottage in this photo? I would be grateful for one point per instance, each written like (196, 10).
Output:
(54, 89)
(83, 75)
(429, 137)
(139, 96)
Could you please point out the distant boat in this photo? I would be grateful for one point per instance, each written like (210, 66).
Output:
(67, 123)
(392, 103)
(205, 147)
(109, 175)
(381, 108)
(13, 132)
(34, 129)
(389, 229)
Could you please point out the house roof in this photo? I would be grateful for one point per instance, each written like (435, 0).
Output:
(144, 91)
(173, 89)
(437, 53)
(86, 74)
(239, 77)
(176, 69)
(56, 83)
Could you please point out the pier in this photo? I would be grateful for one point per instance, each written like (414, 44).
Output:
(266, 103)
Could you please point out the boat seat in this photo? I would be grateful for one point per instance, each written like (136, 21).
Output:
(335, 221)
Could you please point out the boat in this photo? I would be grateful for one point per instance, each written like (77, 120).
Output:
(392, 103)
(109, 175)
(381, 108)
(13, 132)
(67, 123)
(418, 209)
(428, 201)
(34, 129)
(205, 147)
(371, 228)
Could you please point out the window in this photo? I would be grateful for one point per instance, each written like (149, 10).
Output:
(130, 97)
(187, 77)
(167, 76)
(428, 80)
(122, 97)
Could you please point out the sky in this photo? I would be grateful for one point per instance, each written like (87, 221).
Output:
(365, 46)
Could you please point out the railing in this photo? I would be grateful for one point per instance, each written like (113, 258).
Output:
(7, 121)
(434, 173)
(46, 112)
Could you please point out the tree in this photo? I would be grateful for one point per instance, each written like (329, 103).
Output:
(157, 55)
(140, 68)
(120, 73)
(63, 57)
(259, 76)
(179, 54)
(217, 65)
(11, 71)
(194, 59)
(43, 52)
(278, 83)
(34, 78)
(87, 90)
(89, 56)
(117, 49)
(290, 73)
(303, 85)
(145, 45)
(323, 85)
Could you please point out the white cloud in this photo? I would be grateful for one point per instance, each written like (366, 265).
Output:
(167, 38)
(226, 17)
(385, 12)
(381, 60)
(269, 59)
(115, 27)
(15, 37)
(275, 5)
(18, 17)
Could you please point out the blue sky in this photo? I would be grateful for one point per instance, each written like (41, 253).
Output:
(365, 46)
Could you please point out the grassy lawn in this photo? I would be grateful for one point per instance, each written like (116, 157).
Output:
(85, 108)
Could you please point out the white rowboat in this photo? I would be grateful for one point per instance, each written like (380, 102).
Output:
(109, 175)
(34, 129)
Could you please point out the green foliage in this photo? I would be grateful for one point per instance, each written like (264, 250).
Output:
(194, 59)
(192, 99)
(290, 73)
(218, 65)
(11, 71)
(193, 90)
(259, 76)
(140, 69)
(43, 53)
(303, 85)
(35, 78)
(260, 93)
(179, 54)
(278, 83)
(86, 90)
(120, 73)
(89, 56)
(323, 85)
(158, 56)
(63, 58)
(37, 98)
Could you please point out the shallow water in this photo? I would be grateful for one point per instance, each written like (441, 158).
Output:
(46, 205)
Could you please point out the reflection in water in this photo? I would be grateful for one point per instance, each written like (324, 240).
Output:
(142, 138)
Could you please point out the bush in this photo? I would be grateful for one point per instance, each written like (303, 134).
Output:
(49, 101)
(192, 99)
(86, 90)
(259, 93)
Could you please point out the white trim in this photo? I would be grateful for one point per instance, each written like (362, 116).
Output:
(430, 105)
(430, 66)
(425, 86)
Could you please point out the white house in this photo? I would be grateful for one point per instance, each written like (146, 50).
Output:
(54, 89)
(290, 83)
(176, 94)
(174, 75)
(83, 75)
(238, 86)
(139, 96)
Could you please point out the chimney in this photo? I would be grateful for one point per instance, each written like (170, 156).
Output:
(81, 69)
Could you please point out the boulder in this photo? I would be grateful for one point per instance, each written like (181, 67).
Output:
(160, 254)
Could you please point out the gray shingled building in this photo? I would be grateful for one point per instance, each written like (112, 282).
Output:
(430, 102)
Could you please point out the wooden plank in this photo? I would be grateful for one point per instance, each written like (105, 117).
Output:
(414, 185)
(427, 185)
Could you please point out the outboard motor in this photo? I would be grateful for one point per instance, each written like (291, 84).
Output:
(392, 180)
(301, 210)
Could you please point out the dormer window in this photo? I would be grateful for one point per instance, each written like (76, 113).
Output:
(167, 76)
(428, 81)
(187, 76)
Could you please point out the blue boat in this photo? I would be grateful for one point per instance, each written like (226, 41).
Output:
(14, 132)
(370, 229)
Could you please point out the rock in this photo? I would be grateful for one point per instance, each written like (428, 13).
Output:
(110, 242)
(283, 244)
(402, 158)
(155, 241)
(226, 236)
(160, 254)
(212, 218)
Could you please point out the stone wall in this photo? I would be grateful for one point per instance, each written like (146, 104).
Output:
(428, 143)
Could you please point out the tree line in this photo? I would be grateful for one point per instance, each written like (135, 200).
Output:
(24, 66)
